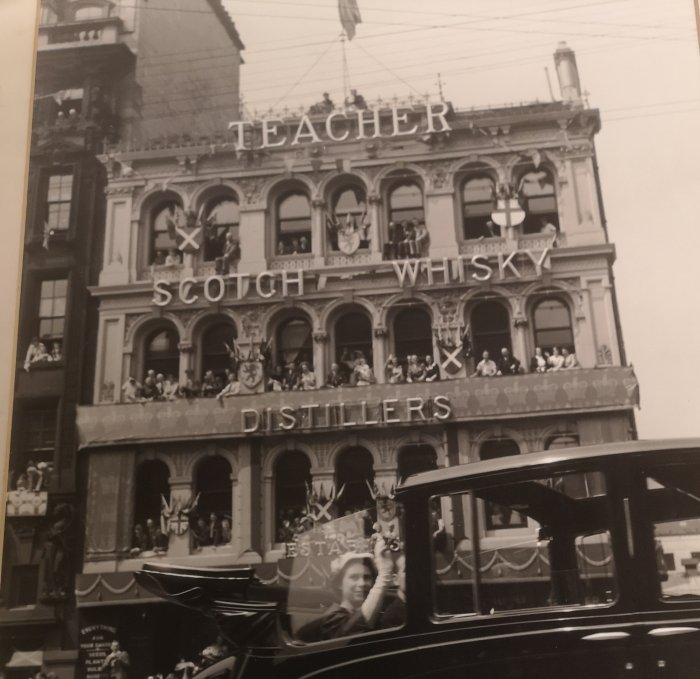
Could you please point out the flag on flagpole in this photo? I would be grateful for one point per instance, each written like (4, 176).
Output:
(349, 16)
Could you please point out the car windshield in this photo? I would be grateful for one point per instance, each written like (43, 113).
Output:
(345, 574)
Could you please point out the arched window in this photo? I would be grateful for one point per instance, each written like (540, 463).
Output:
(213, 484)
(292, 476)
(477, 205)
(294, 342)
(406, 203)
(152, 482)
(413, 334)
(293, 224)
(349, 208)
(161, 239)
(217, 339)
(539, 199)
(499, 517)
(552, 325)
(225, 214)
(416, 459)
(161, 352)
(353, 470)
(490, 327)
(353, 338)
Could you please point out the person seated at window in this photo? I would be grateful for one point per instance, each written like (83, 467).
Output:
(549, 229)
(393, 371)
(56, 355)
(275, 379)
(538, 364)
(432, 369)
(361, 583)
(292, 373)
(281, 249)
(507, 364)
(214, 530)
(158, 542)
(171, 388)
(570, 360)
(159, 259)
(346, 363)
(36, 353)
(294, 247)
(43, 470)
(173, 258)
(408, 238)
(363, 373)
(132, 391)
(160, 386)
(139, 541)
(556, 360)
(191, 388)
(304, 245)
(414, 372)
(150, 391)
(422, 238)
(200, 533)
(232, 388)
(485, 367)
(225, 529)
(307, 378)
(211, 385)
(335, 377)
(231, 255)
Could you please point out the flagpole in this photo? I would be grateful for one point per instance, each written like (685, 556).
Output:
(346, 74)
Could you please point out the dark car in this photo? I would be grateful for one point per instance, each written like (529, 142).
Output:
(579, 562)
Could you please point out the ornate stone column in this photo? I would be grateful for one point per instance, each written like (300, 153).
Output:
(520, 343)
(186, 360)
(318, 242)
(379, 353)
(321, 365)
(375, 215)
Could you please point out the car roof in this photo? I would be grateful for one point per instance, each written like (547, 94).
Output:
(547, 457)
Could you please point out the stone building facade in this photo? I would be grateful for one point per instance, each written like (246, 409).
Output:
(332, 265)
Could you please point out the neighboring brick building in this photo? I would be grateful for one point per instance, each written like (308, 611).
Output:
(100, 67)
(516, 256)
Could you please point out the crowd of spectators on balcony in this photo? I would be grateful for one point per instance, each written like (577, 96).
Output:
(148, 538)
(38, 355)
(412, 369)
(294, 246)
(542, 361)
(35, 477)
(407, 240)
(211, 532)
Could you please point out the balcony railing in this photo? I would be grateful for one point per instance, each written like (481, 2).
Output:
(347, 408)
(103, 31)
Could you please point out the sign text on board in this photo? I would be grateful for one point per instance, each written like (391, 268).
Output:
(409, 272)
(339, 126)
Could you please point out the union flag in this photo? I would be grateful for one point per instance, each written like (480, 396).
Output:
(349, 16)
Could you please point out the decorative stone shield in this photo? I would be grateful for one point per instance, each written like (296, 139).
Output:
(505, 209)
(250, 374)
(178, 523)
(348, 241)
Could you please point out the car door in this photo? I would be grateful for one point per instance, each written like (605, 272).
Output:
(532, 582)
(668, 525)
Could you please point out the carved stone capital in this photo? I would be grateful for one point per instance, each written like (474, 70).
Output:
(185, 347)
(380, 332)
(320, 336)
(318, 203)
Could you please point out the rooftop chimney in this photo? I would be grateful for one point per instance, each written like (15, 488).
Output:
(567, 73)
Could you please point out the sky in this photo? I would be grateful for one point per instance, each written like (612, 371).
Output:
(639, 64)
